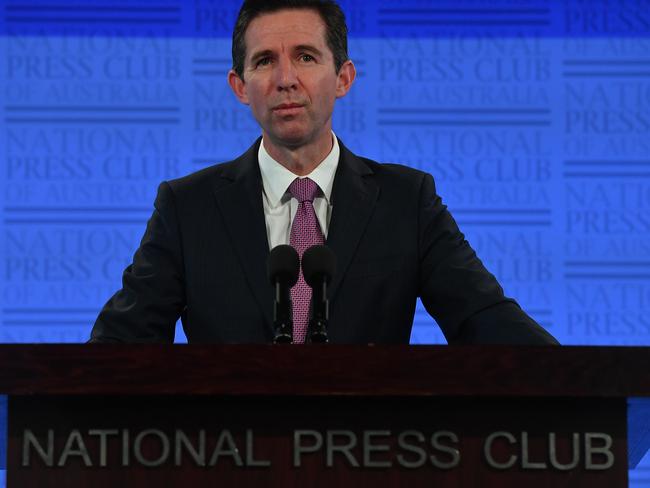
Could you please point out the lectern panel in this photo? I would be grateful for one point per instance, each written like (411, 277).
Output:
(333, 441)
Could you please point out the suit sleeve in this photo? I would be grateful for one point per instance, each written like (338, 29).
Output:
(458, 291)
(152, 297)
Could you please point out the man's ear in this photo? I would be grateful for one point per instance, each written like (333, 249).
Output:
(238, 87)
(346, 77)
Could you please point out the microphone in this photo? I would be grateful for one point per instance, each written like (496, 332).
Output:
(318, 267)
(283, 267)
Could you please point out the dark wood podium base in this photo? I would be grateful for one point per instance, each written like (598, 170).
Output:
(308, 441)
(100, 416)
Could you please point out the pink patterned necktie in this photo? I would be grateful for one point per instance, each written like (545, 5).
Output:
(305, 232)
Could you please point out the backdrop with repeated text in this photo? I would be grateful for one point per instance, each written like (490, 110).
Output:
(533, 117)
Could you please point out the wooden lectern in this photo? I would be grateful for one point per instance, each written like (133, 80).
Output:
(324, 416)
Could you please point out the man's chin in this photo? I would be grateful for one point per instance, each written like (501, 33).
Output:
(290, 139)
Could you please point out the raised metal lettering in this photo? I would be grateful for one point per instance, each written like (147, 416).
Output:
(103, 436)
(487, 450)
(345, 449)
(249, 452)
(525, 463)
(452, 451)
(299, 449)
(126, 448)
(164, 445)
(182, 441)
(46, 455)
(421, 453)
(590, 450)
(230, 450)
(369, 448)
(552, 452)
(79, 449)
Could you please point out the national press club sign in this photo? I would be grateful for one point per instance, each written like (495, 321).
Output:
(367, 449)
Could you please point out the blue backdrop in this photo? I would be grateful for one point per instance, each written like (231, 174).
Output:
(533, 117)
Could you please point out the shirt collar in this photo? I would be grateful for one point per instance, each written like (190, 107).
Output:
(276, 178)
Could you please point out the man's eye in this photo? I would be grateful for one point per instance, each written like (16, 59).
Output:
(308, 58)
(263, 62)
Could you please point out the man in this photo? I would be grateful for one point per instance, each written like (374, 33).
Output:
(203, 255)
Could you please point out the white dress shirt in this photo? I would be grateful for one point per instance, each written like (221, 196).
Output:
(280, 207)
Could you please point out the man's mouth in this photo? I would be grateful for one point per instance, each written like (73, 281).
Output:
(288, 108)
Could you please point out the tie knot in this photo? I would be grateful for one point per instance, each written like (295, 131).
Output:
(303, 190)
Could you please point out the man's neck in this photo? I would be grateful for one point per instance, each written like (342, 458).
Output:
(300, 160)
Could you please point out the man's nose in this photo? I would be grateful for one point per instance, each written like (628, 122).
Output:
(286, 74)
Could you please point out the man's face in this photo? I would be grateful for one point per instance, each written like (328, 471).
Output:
(289, 80)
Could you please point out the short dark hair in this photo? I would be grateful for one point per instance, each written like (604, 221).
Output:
(331, 13)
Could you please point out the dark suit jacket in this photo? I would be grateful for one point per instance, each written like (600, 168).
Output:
(203, 258)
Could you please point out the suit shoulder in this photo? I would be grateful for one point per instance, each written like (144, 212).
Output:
(195, 190)
(215, 176)
(211, 176)
(395, 172)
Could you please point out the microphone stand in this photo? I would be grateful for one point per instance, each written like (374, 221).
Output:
(283, 266)
(282, 315)
(318, 266)
(319, 317)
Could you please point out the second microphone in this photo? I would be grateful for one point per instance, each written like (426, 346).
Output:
(318, 268)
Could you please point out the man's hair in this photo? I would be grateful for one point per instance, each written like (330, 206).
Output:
(331, 13)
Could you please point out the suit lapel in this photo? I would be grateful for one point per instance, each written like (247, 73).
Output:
(240, 204)
(354, 196)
